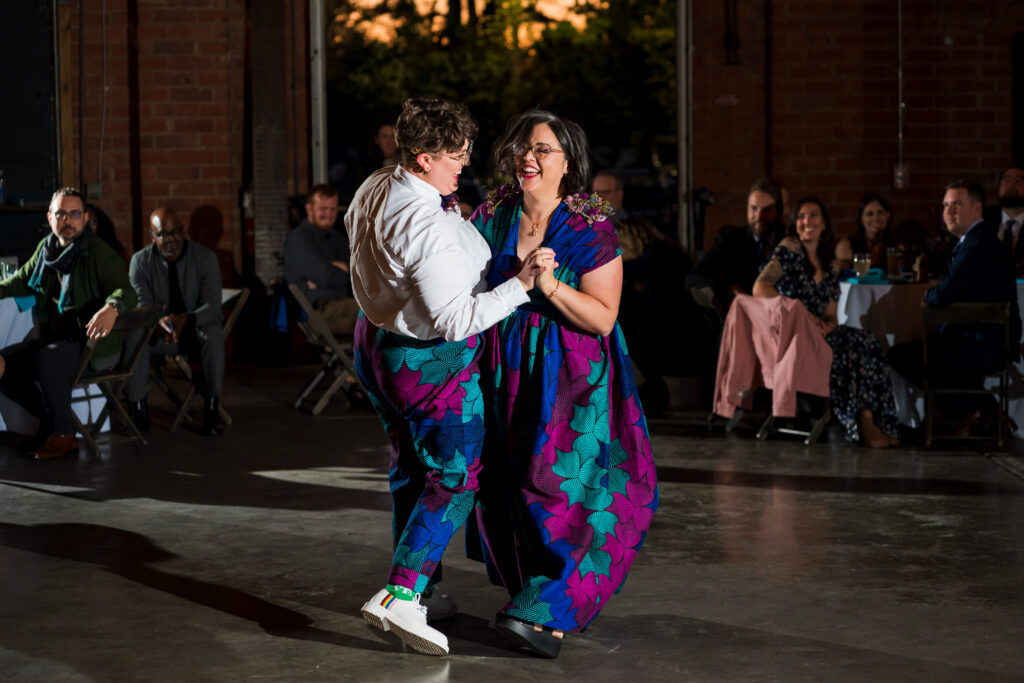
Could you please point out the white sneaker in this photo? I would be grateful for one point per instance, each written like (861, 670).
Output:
(439, 606)
(407, 619)
(374, 612)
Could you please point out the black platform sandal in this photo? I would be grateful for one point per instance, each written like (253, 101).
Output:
(540, 640)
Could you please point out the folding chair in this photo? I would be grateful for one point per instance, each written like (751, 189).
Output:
(811, 435)
(111, 381)
(335, 360)
(969, 313)
(239, 297)
(774, 333)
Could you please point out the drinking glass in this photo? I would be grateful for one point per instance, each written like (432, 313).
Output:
(862, 264)
(892, 262)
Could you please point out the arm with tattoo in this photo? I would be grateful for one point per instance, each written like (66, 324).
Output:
(766, 281)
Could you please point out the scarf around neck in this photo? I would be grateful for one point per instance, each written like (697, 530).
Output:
(62, 261)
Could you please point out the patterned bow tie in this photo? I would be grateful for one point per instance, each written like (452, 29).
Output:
(450, 203)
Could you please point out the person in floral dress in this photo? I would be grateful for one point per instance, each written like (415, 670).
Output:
(568, 487)
(416, 273)
(800, 268)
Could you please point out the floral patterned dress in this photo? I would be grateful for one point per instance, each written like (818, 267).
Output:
(860, 375)
(568, 486)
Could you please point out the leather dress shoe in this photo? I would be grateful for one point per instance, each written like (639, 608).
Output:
(212, 426)
(56, 446)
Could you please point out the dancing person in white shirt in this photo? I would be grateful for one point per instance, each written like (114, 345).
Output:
(418, 274)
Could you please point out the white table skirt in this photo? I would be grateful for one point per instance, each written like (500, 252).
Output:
(15, 327)
(893, 314)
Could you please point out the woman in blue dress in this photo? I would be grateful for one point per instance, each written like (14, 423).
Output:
(569, 486)
(800, 267)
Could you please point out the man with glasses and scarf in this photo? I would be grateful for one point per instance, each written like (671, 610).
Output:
(80, 287)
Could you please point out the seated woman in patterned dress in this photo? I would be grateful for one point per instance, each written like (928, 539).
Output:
(800, 268)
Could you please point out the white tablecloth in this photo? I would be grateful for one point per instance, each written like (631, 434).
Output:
(893, 314)
(15, 327)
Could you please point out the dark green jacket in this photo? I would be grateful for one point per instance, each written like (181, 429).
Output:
(99, 278)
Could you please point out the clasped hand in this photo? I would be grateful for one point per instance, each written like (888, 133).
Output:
(539, 262)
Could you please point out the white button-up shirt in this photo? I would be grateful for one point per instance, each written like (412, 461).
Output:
(417, 270)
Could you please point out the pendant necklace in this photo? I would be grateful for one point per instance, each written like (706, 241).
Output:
(533, 226)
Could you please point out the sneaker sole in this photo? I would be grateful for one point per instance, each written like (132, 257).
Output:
(375, 621)
(418, 642)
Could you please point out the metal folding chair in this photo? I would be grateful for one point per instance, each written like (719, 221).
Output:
(112, 381)
(810, 435)
(968, 313)
(336, 361)
(236, 298)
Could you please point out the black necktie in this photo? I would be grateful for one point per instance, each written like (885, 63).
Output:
(1006, 233)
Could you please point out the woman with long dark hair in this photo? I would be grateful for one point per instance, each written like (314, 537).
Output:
(859, 382)
(873, 236)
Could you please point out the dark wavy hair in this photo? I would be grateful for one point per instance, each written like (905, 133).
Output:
(825, 249)
(868, 198)
(571, 139)
(433, 126)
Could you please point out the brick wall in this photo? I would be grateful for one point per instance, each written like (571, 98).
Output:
(191, 66)
(832, 119)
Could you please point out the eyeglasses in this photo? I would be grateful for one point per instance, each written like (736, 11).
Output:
(462, 158)
(540, 151)
(61, 214)
(168, 234)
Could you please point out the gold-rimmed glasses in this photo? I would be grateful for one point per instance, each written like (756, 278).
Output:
(462, 158)
(540, 151)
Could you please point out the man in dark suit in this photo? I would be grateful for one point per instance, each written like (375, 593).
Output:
(184, 276)
(980, 271)
(1007, 216)
(734, 260)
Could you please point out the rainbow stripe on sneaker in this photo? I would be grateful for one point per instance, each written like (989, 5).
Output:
(388, 600)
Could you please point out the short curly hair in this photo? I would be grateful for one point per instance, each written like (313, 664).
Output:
(433, 126)
(571, 139)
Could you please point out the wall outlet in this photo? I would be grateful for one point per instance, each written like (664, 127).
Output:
(94, 190)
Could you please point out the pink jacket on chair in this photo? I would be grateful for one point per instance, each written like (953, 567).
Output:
(774, 343)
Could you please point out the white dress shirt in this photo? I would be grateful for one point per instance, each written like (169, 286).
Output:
(417, 270)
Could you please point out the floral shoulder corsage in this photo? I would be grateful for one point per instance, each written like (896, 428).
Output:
(590, 207)
(500, 194)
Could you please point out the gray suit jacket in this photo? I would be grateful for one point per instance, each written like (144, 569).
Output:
(198, 277)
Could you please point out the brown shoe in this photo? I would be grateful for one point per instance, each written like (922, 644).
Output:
(56, 446)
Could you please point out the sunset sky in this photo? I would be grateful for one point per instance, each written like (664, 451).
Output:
(383, 28)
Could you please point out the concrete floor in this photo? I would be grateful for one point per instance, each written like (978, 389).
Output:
(246, 558)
